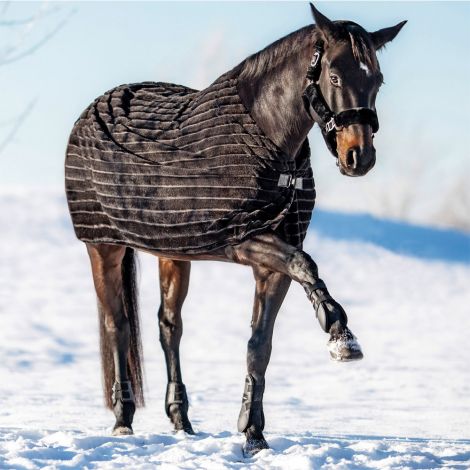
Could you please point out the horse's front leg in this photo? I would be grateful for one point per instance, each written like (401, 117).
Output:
(174, 281)
(271, 288)
(269, 251)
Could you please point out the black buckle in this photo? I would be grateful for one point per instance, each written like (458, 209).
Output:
(286, 180)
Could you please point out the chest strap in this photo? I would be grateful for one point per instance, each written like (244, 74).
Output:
(287, 180)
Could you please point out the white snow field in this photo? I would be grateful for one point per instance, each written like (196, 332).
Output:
(406, 405)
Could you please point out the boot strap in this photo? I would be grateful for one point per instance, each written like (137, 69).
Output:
(318, 298)
(175, 395)
(252, 397)
(123, 391)
(319, 294)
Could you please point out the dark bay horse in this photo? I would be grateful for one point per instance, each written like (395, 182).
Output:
(326, 73)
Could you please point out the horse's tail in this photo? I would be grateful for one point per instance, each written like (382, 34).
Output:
(134, 358)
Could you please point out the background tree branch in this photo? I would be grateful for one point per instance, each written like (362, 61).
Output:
(24, 41)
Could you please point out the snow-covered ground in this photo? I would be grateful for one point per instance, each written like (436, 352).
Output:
(406, 405)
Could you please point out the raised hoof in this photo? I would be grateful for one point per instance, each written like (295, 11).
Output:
(253, 446)
(344, 347)
(122, 431)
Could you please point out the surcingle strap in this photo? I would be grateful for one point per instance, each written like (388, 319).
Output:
(252, 399)
(176, 395)
(122, 391)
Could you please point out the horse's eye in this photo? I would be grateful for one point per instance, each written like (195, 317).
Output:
(335, 80)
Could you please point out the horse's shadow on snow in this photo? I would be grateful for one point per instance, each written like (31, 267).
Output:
(400, 237)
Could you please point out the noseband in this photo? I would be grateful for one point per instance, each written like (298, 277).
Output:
(329, 121)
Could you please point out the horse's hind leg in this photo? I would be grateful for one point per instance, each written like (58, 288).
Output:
(269, 251)
(271, 288)
(113, 275)
(174, 281)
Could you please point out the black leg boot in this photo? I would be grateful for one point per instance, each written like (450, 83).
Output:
(343, 345)
(251, 418)
(176, 407)
(124, 408)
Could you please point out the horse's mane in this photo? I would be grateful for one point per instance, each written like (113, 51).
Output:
(256, 64)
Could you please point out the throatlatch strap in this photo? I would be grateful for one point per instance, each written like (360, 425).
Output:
(252, 396)
(175, 395)
(122, 391)
(313, 100)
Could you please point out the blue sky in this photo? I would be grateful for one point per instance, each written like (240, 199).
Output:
(423, 107)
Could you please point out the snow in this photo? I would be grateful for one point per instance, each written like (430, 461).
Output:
(405, 405)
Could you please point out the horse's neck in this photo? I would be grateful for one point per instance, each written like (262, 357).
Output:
(274, 97)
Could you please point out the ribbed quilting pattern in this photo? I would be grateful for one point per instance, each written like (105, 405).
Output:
(162, 167)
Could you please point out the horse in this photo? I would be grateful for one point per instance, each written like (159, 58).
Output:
(239, 150)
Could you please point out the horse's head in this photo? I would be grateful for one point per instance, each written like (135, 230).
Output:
(349, 79)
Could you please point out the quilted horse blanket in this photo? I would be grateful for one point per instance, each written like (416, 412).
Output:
(165, 168)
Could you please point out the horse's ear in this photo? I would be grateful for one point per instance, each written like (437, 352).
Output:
(325, 25)
(382, 36)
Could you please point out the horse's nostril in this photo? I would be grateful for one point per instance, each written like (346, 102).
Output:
(352, 157)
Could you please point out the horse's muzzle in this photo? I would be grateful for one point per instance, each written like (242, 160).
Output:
(357, 161)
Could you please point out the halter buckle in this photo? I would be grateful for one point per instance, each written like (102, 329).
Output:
(331, 125)
(315, 57)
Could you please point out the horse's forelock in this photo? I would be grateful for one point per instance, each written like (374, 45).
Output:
(361, 44)
(362, 51)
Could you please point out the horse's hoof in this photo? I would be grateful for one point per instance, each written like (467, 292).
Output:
(179, 418)
(253, 446)
(187, 428)
(344, 347)
(122, 431)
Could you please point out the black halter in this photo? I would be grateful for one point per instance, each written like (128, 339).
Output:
(329, 121)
